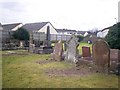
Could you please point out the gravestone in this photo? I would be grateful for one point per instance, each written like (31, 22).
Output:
(86, 51)
(1, 31)
(31, 45)
(115, 60)
(46, 48)
(65, 46)
(101, 55)
(57, 52)
(47, 42)
(72, 51)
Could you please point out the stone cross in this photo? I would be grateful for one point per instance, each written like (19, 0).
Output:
(101, 55)
(72, 51)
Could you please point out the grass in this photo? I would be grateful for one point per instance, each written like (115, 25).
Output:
(84, 44)
(20, 70)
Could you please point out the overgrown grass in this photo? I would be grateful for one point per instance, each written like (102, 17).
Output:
(22, 71)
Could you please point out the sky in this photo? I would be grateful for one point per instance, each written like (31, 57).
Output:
(68, 14)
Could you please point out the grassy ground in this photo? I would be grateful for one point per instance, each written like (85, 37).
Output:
(21, 70)
(84, 44)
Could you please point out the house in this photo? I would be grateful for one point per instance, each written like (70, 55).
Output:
(81, 33)
(8, 30)
(66, 31)
(102, 33)
(90, 37)
(40, 27)
(39, 31)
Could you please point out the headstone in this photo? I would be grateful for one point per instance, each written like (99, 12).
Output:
(1, 31)
(115, 60)
(65, 46)
(46, 48)
(86, 51)
(101, 55)
(47, 42)
(57, 52)
(72, 51)
(31, 45)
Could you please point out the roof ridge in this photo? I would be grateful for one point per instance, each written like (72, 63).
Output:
(11, 24)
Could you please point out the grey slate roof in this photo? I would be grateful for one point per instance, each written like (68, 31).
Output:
(10, 26)
(81, 32)
(1, 28)
(34, 26)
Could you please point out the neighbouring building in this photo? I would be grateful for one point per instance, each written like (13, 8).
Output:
(81, 33)
(7, 32)
(40, 27)
(102, 33)
(90, 37)
(65, 34)
(39, 31)
(66, 31)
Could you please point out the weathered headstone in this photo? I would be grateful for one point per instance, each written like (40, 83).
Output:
(31, 45)
(72, 51)
(1, 31)
(101, 55)
(86, 51)
(65, 46)
(57, 52)
(115, 60)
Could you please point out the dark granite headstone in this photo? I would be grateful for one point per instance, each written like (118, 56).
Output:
(47, 42)
(101, 55)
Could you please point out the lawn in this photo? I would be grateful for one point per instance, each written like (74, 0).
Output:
(25, 70)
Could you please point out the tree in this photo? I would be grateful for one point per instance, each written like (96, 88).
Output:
(113, 36)
(80, 38)
(21, 34)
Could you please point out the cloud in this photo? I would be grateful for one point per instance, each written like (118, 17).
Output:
(73, 14)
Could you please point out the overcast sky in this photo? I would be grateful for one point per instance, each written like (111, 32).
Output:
(68, 14)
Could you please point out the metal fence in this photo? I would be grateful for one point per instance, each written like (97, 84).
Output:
(54, 37)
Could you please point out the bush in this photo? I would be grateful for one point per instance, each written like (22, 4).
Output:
(113, 36)
(21, 34)
(80, 38)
